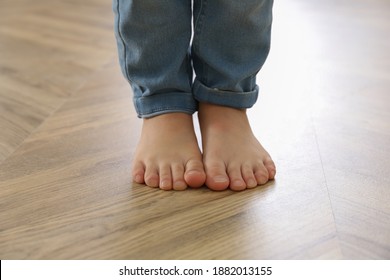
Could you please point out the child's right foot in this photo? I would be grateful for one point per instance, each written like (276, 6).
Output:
(168, 155)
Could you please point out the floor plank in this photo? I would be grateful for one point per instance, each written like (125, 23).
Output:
(47, 52)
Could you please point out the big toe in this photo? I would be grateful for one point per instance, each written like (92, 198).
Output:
(217, 178)
(194, 175)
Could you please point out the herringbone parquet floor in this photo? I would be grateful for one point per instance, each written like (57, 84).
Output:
(68, 132)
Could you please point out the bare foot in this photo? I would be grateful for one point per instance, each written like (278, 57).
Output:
(168, 155)
(232, 156)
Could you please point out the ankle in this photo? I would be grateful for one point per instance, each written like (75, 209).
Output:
(169, 121)
(224, 118)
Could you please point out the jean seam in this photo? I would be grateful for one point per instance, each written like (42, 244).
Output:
(163, 109)
(197, 34)
(199, 16)
(122, 41)
(159, 109)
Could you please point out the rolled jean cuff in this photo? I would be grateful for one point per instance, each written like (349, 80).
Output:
(175, 102)
(239, 100)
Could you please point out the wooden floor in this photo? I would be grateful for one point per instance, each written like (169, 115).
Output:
(68, 132)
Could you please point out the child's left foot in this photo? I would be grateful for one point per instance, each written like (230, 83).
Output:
(232, 156)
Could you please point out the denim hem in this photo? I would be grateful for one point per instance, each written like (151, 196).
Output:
(239, 100)
(175, 102)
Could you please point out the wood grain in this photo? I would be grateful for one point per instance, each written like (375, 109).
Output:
(69, 130)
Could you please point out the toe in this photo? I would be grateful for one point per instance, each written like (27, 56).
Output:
(261, 175)
(248, 176)
(178, 177)
(151, 177)
(165, 177)
(194, 174)
(179, 185)
(139, 173)
(270, 166)
(237, 183)
(216, 177)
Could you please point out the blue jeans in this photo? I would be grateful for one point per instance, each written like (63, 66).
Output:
(230, 43)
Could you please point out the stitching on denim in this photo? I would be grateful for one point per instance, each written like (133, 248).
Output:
(157, 109)
(122, 41)
(199, 16)
(197, 33)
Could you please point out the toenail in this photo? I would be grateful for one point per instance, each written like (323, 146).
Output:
(252, 183)
(238, 183)
(220, 179)
(165, 184)
(180, 187)
(189, 172)
(179, 183)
